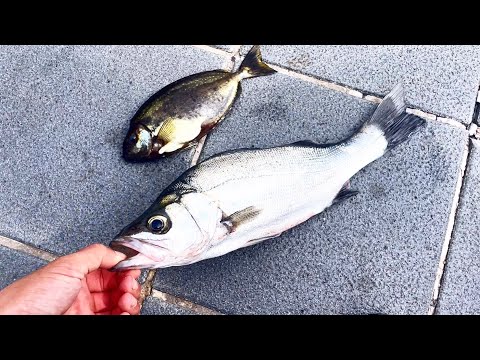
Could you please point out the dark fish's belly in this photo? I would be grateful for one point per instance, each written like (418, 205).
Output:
(178, 118)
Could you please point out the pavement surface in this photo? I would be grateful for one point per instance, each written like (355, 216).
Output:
(406, 244)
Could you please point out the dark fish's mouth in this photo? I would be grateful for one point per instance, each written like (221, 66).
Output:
(128, 251)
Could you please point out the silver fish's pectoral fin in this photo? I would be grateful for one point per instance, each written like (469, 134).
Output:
(234, 220)
(344, 193)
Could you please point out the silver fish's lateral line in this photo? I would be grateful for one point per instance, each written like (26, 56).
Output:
(239, 198)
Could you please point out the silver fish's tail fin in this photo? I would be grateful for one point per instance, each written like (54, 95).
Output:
(253, 66)
(392, 120)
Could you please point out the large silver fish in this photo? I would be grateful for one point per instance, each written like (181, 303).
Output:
(242, 197)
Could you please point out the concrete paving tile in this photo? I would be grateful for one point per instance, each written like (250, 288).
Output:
(460, 291)
(64, 112)
(154, 306)
(229, 48)
(15, 264)
(374, 253)
(439, 79)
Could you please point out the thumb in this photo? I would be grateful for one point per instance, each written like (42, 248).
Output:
(96, 256)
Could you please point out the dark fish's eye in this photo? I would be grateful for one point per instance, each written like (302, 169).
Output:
(158, 223)
(133, 137)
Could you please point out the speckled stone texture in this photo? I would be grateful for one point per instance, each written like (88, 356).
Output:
(461, 283)
(229, 48)
(154, 306)
(15, 265)
(374, 253)
(439, 79)
(64, 112)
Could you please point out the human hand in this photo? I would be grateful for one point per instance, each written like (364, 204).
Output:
(78, 283)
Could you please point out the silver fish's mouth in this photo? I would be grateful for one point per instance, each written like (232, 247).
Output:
(140, 255)
(128, 251)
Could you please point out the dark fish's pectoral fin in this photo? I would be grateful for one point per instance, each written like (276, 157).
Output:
(344, 193)
(234, 220)
(176, 134)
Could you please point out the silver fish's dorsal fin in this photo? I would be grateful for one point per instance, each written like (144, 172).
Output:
(310, 143)
(305, 143)
(240, 217)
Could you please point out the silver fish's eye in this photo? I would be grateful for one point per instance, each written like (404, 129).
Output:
(158, 224)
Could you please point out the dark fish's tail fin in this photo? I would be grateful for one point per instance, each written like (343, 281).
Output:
(253, 66)
(390, 117)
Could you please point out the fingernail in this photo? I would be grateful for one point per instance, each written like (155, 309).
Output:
(135, 285)
(134, 303)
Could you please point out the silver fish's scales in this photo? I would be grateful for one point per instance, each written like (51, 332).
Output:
(259, 163)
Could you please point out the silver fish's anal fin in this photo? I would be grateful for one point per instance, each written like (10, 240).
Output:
(240, 217)
(392, 120)
(253, 66)
(256, 241)
(344, 193)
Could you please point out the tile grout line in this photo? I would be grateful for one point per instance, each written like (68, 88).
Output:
(147, 286)
(26, 249)
(474, 133)
(449, 231)
(213, 50)
(367, 97)
(170, 299)
(328, 84)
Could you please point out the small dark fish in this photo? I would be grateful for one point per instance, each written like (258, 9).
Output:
(242, 197)
(181, 113)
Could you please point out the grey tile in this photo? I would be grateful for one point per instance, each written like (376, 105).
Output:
(439, 79)
(64, 112)
(15, 265)
(229, 48)
(245, 48)
(154, 306)
(374, 253)
(460, 291)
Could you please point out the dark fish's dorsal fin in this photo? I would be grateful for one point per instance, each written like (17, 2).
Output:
(240, 217)
(344, 193)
